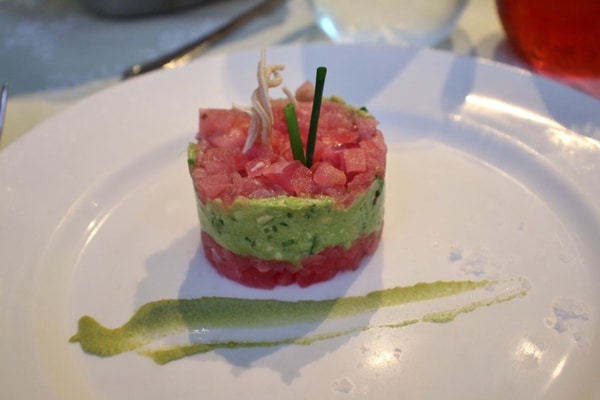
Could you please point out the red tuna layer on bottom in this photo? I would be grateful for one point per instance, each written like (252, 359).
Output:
(267, 274)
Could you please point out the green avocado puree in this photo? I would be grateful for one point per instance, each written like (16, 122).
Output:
(158, 319)
(289, 228)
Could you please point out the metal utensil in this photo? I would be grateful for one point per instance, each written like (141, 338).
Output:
(185, 53)
(137, 8)
(3, 101)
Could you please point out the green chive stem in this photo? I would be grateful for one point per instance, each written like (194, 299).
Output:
(294, 132)
(314, 116)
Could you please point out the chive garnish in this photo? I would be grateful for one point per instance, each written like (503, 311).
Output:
(314, 116)
(294, 130)
(294, 133)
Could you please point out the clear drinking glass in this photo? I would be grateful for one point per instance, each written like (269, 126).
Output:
(408, 22)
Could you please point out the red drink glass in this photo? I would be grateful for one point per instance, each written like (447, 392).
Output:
(558, 37)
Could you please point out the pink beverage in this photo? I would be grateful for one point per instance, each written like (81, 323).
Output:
(560, 37)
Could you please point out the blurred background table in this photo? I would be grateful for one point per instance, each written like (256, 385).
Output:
(56, 52)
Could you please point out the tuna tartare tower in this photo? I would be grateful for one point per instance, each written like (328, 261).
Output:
(266, 218)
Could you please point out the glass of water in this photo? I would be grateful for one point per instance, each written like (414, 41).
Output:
(407, 22)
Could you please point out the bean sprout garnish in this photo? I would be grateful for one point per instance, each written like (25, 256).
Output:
(261, 123)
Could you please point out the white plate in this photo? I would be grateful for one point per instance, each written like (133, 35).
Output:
(492, 174)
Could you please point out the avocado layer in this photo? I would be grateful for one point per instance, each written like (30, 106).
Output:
(289, 228)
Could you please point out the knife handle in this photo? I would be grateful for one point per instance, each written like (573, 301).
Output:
(185, 53)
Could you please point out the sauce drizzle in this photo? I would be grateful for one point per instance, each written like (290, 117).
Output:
(159, 319)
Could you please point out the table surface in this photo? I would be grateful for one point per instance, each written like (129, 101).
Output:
(54, 52)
